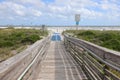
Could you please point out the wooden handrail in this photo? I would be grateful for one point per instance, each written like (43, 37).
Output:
(98, 62)
(18, 65)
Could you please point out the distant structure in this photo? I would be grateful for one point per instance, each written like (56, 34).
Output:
(44, 28)
(77, 19)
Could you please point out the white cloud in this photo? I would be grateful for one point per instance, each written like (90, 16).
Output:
(106, 5)
(10, 8)
(36, 13)
(20, 13)
(32, 3)
(69, 8)
(111, 8)
(64, 9)
(11, 18)
(90, 13)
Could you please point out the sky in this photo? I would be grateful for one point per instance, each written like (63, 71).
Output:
(59, 12)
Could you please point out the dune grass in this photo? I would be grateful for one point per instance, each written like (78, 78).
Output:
(108, 39)
(17, 40)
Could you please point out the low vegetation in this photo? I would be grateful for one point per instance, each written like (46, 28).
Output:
(13, 40)
(108, 39)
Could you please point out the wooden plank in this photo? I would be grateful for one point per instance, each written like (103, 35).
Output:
(94, 60)
(106, 78)
(91, 71)
(94, 68)
(76, 58)
(60, 65)
(96, 57)
(111, 75)
(100, 51)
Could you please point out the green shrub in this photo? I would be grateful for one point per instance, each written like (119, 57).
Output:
(108, 39)
(112, 44)
(105, 36)
(34, 37)
(6, 44)
(86, 33)
(31, 39)
(12, 39)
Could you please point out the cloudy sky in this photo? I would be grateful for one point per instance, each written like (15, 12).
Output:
(59, 12)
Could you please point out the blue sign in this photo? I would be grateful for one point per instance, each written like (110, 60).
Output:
(77, 23)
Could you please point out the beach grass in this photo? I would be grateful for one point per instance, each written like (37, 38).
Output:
(13, 41)
(106, 38)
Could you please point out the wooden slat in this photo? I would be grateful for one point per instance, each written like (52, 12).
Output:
(106, 78)
(111, 75)
(94, 61)
(94, 68)
(76, 58)
(90, 73)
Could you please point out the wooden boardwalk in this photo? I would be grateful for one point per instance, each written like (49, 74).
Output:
(42, 61)
(59, 65)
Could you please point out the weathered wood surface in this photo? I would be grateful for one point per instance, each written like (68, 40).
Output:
(12, 68)
(99, 63)
(59, 65)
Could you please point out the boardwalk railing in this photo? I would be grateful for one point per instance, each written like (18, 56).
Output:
(25, 65)
(97, 62)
